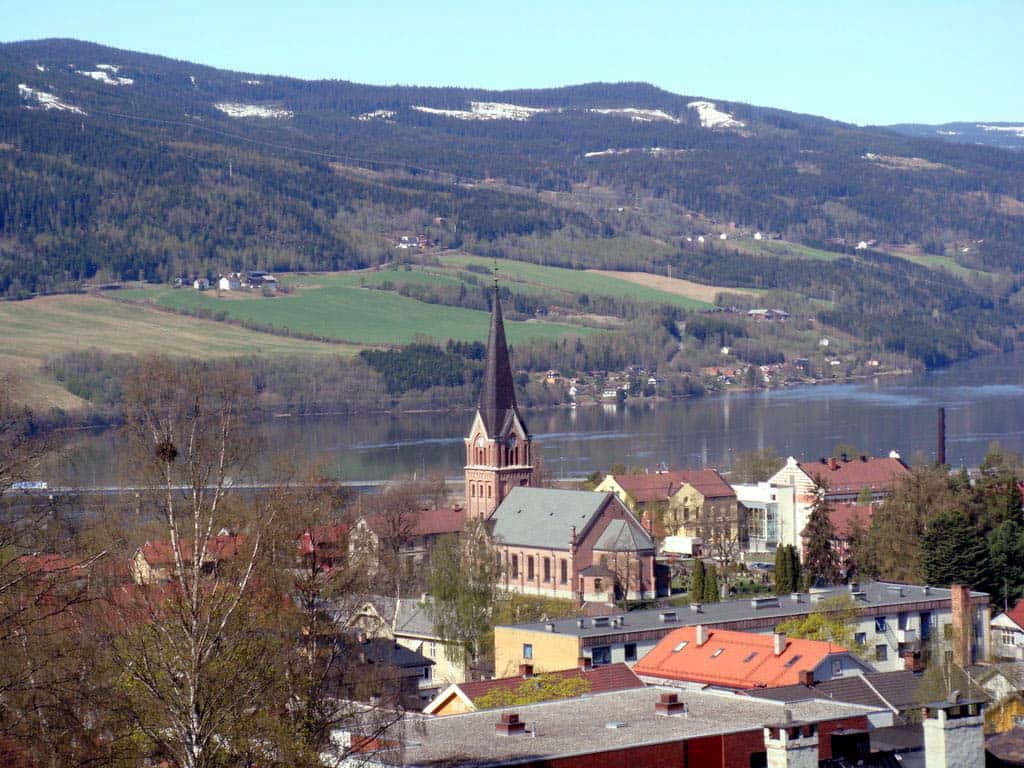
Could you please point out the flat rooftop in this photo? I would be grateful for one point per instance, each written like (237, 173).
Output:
(874, 597)
(601, 722)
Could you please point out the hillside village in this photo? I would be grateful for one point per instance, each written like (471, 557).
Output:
(667, 612)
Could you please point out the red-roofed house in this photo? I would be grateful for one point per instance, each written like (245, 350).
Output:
(694, 504)
(738, 660)
(412, 533)
(465, 697)
(323, 546)
(844, 480)
(1008, 634)
(153, 562)
(846, 518)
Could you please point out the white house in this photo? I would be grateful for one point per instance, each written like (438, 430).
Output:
(1008, 634)
(229, 283)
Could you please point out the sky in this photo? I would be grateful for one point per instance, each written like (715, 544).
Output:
(864, 62)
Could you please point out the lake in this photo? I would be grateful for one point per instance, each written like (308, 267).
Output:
(984, 401)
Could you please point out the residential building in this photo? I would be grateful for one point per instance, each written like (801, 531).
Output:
(762, 510)
(154, 561)
(229, 283)
(697, 506)
(1008, 634)
(324, 546)
(728, 659)
(894, 622)
(387, 668)
(847, 518)
(457, 698)
(573, 544)
(639, 728)
(411, 533)
(841, 480)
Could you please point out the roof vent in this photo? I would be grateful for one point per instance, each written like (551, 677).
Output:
(614, 724)
(695, 607)
(549, 627)
(795, 597)
(927, 590)
(510, 725)
(666, 616)
(601, 621)
(579, 623)
(862, 596)
(764, 602)
(897, 588)
(817, 597)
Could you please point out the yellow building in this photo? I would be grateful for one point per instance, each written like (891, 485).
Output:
(545, 651)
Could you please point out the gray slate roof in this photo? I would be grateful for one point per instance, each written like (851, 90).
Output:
(878, 597)
(891, 690)
(624, 536)
(544, 517)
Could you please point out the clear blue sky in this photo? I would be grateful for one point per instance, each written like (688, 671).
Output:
(864, 62)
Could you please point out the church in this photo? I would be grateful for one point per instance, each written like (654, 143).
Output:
(580, 545)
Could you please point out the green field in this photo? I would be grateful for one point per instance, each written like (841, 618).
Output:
(779, 248)
(574, 281)
(332, 306)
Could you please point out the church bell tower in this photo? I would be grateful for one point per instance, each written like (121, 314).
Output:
(498, 447)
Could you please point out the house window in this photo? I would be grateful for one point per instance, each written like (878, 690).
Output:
(515, 566)
(432, 650)
(903, 621)
(926, 625)
(547, 569)
(488, 491)
(861, 638)
(426, 673)
(837, 667)
(529, 567)
(880, 625)
(598, 585)
(564, 575)
(881, 652)
(947, 631)
(601, 655)
(629, 650)
(472, 490)
(527, 650)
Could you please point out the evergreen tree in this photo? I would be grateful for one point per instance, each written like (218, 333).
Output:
(952, 551)
(697, 582)
(781, 573)
(795, 569)
(1006, 558)
(711, 594)
(821, 560)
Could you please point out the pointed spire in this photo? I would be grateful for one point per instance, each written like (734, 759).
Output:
(498, 394)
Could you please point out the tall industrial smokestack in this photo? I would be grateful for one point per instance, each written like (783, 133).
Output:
(940, 453)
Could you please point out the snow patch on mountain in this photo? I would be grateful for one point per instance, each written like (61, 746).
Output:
(40, 67)
(486, 110)
(253, 82)
(235, 109)
(712, 117)
(656, 151)
(946, 133)
(109, 68)
(46, 100)
(1016, 130)
(637, 114)
(377, 114)
(104, 77)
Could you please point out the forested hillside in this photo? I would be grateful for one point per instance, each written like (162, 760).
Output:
(125, 166)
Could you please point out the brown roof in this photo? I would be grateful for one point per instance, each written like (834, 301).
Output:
(846, 516)
(660, 486)
(602, 679)
(217, 548)
(424, 522)
(853, 476)
(1016, 614)
(322, 536)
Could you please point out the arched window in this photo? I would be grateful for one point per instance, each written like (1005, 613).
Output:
(488, 491)
(472, 490)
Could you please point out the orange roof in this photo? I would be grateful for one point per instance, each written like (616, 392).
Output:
(659, 486)
(732, 659)
(424, 522)
(853, 476)
(1017, 613)
(217, 548)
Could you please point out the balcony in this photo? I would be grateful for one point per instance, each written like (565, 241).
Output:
(907, 636)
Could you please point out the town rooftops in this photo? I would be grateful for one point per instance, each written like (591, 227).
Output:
(852, 476)
(624, 536)
(874, 598)
(424, 522)
(660, 486)
(729, 659)
(217, 548)
(847, 516)
(602, 679)
(545, 517)
(603, 722)
(896, 691)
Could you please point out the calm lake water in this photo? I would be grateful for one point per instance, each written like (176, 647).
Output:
(984, 401)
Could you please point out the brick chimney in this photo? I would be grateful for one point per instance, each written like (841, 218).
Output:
(778, 643)
(806, 677)
(960, 607)
(526, 670)
(510, 725)
(669, 704)
(702, 634)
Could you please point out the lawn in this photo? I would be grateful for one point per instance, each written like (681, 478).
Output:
(334, 307)
(574, 281)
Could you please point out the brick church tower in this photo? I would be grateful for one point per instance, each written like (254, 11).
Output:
(498, 447)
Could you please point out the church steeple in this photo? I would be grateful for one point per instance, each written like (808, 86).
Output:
(497, 401)
(498, 446)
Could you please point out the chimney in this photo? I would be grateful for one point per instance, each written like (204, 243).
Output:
(960, 607)
(669, 704)
(833, 463)
(702, 635)
(806, 677)
(954, 734)
(940, 448)
(778, 643)
(792, 745)
(584, 663)
(526, 670)
(509, 725)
